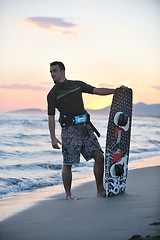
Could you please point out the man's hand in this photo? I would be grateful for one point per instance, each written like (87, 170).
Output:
(56, 143)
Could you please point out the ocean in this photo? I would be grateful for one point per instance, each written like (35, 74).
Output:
(28, 161)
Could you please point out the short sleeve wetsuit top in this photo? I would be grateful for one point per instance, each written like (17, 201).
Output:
(67, 97)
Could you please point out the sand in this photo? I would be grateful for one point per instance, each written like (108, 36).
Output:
(132, 215)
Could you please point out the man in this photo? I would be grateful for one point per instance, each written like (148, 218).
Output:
(77, 131)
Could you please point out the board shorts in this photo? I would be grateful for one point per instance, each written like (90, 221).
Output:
(76, 140)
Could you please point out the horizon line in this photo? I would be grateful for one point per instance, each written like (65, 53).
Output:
(89, 109)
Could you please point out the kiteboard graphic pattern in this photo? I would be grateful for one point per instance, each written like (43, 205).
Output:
(118, 142)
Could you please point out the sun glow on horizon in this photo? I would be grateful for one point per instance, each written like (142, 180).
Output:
(94, 102)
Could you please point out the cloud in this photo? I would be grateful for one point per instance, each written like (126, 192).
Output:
(50, 22)
(104, 85)
(152, 88)
(69, 33)
(24, 87)
(157, 88)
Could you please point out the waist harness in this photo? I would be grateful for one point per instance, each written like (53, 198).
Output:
(66, 120)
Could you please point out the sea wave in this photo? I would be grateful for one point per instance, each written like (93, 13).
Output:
(8, 186)
(32, 166)
(28, 160)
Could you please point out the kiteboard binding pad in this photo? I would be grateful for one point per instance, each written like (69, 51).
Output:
(118, 142)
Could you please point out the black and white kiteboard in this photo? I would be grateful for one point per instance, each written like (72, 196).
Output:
(118, 142)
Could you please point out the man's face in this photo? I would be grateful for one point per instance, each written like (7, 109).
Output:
(57, 74)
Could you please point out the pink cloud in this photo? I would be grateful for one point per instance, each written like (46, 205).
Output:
(24, 87)
(156, 88)
(49, 22)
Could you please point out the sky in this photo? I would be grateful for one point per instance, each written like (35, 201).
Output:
(105, 43)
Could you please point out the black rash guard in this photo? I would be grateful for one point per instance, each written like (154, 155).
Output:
(67, 97)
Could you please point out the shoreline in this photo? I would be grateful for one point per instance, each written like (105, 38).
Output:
(25, 200)
(130, 216)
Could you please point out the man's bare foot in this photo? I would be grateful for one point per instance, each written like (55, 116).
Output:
(71, 198)
(101, 194)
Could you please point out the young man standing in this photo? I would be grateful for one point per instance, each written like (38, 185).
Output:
(77, 131)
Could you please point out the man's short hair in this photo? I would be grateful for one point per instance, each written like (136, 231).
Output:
(60, 64)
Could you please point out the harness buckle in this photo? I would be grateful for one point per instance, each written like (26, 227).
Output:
(80, 119)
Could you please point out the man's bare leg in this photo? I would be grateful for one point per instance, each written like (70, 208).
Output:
(67, 180)
(99, 172)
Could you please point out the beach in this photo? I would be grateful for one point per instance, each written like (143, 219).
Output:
(46, 214)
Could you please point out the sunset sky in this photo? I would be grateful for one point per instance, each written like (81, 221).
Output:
(105, 43)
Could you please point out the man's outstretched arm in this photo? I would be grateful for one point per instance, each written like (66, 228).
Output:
(106, 91)
(103, 91)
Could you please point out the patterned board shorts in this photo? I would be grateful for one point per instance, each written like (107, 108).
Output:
(76, 140)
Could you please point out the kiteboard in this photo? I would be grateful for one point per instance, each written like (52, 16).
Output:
(118, 142)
